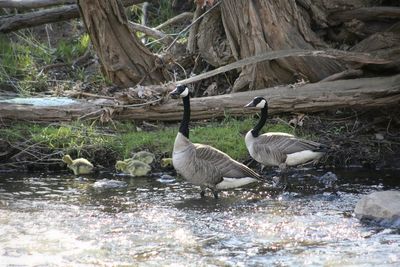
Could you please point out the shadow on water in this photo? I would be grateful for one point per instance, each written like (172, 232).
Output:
(58, 220)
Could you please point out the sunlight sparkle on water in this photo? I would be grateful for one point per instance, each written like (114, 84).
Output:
(60, 221)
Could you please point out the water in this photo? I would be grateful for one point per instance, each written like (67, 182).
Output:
(61, 220)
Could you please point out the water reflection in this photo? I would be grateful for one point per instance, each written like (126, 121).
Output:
(62, 220)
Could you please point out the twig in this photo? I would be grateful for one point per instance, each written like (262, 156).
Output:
(176, 19)
(351, 73)
(136, 105)
(164, 38)
(91, 95)
(92, 114)
(191, 24)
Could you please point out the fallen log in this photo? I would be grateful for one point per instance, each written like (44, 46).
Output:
(31, 19)
(11, 23)
(363, 93)
(31, 4)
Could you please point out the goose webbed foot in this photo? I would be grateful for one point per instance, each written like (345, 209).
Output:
(215, 193)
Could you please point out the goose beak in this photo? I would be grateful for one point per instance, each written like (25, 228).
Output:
(250, 105)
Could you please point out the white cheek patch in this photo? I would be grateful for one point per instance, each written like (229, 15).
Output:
(185, 92)
(261, 104)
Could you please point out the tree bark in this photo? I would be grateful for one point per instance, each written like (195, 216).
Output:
(211, 40)
(124, 59)
(363, 93)
(254, 27)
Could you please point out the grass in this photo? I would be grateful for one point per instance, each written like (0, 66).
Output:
(23, 57)
(80, 139)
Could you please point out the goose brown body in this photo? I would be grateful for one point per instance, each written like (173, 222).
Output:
(207, 166)
(279, 149)
(204, 165)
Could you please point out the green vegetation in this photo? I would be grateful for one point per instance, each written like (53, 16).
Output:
(83, 139)
(23, 60)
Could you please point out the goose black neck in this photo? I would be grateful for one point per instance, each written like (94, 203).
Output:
(184, 128)
(261, 122)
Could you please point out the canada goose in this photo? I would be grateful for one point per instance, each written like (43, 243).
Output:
(279, 149)
(78, 166)
(133, 167)
(144, 156)
(204, 165)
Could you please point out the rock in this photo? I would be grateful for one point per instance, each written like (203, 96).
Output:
(329, 179)
(109, 184)
(382, 207)
(166, 178)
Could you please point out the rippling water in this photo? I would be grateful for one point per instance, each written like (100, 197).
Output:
(61, 220)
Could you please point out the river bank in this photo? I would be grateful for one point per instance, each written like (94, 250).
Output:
(368, 139)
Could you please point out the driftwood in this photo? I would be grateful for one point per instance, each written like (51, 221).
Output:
(11, 23)
(362, 93)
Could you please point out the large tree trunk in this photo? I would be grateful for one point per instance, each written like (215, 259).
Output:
(361, 93)
(124, 59)
(254, 27)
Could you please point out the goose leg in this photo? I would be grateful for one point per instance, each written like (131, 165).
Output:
(203, 191)
(215, 192)
(262, 167)
(284, 181)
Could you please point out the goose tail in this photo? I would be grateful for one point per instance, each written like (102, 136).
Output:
(322, 148)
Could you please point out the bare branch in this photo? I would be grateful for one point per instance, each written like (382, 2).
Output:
(365, 58)
(162, 37)
(181, 17)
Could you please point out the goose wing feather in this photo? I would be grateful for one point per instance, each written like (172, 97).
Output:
(285, 144)
(219, 162)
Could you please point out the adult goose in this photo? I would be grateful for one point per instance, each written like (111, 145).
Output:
(204, 165)
(279, 149)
